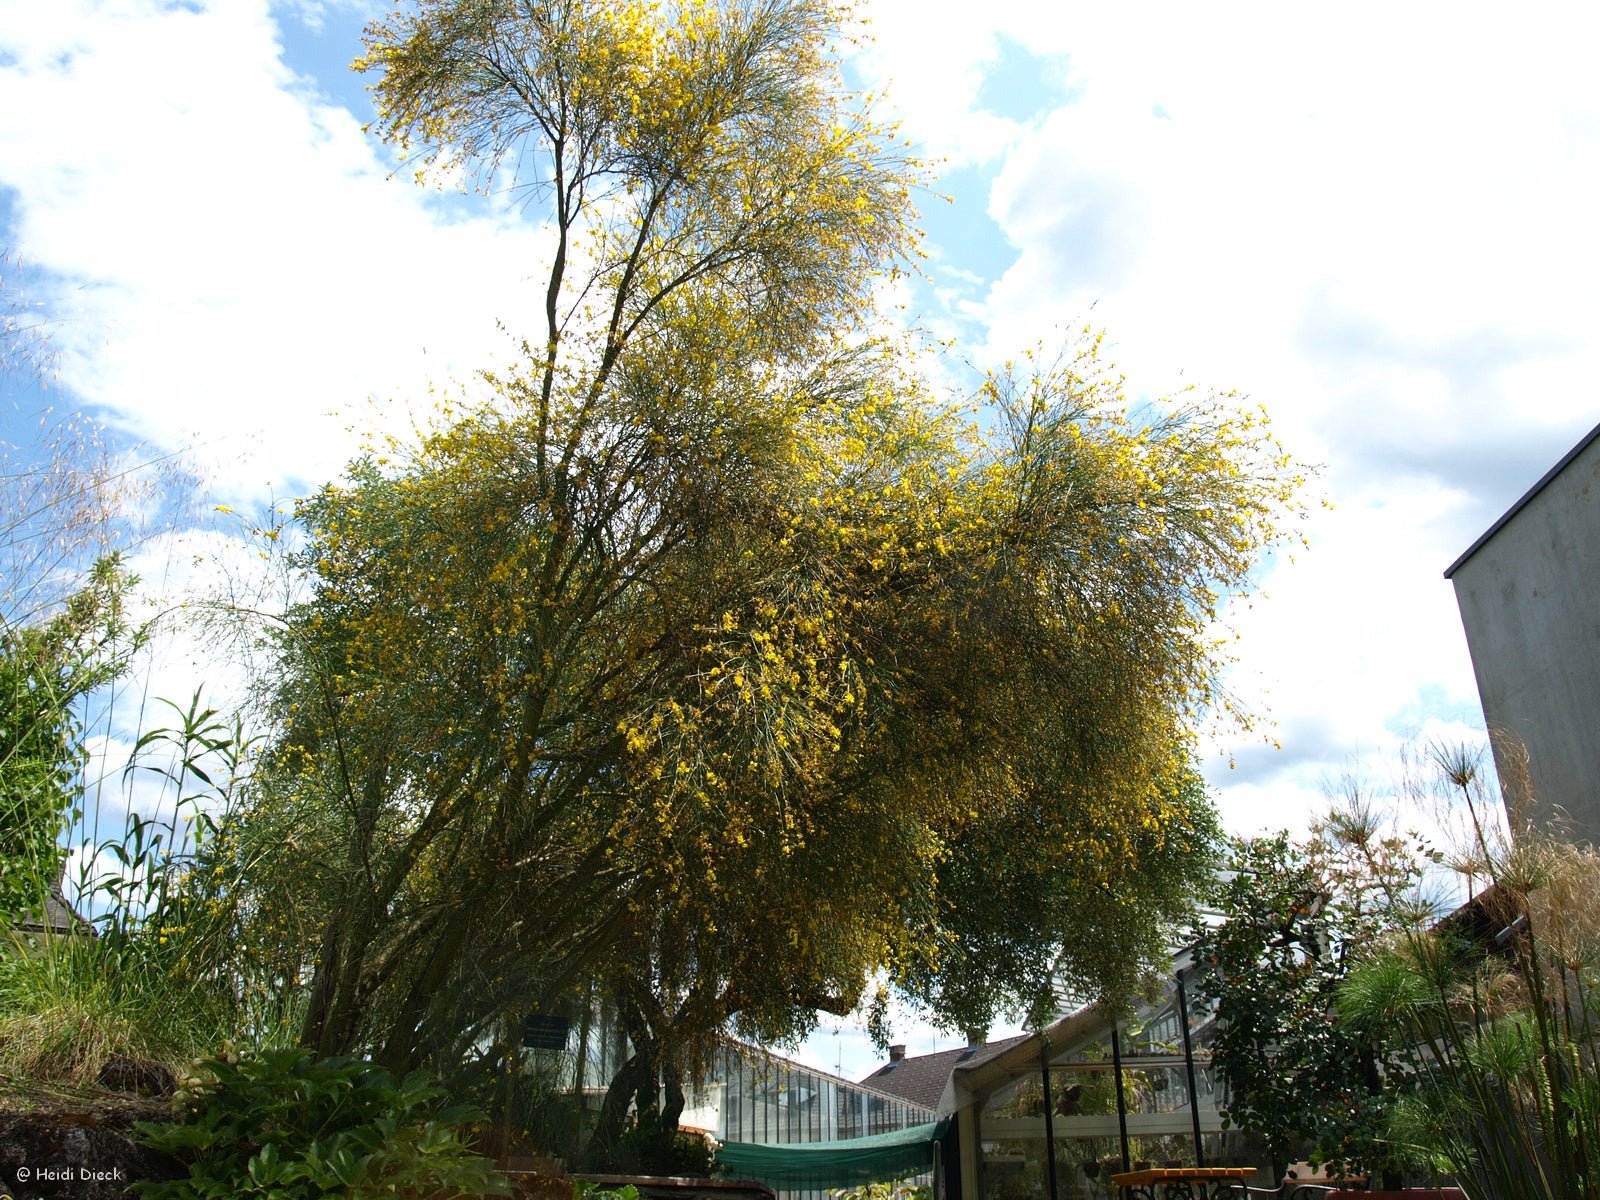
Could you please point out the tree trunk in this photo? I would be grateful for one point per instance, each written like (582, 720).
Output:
(672, 1081)
(330, 1023)
(637, 1074)
(401, 1051)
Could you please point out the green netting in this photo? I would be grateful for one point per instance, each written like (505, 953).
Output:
(879, 1156)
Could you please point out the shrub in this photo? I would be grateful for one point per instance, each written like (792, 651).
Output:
(1296, 916)
(900, 1189)
(281, 1123)
(585, 1189)
(47, 667)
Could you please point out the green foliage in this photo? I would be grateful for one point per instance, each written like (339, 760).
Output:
(1294, 918)
(155, 978)
(649, 1147)
(174, 897)
(585, 1189)
(1380, 1033)
(46, 670)
(1495, 1013)
(1038, 892)
(896, 1190)
(282, 1123)
(70, 1004)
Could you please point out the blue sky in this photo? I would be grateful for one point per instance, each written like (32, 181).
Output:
(1377, 221)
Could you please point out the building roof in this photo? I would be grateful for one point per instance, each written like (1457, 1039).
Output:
(1527, 496)
(869, 1084)
(922, 1079)
(59, 917)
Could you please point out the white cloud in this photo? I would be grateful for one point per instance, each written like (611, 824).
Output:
(201, 593)
(241, 269)
(932, 75)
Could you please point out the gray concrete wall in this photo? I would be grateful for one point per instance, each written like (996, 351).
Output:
(1530, 601)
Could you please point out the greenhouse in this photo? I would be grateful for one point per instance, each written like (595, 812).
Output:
(1041, 1118)
(1033, 1117)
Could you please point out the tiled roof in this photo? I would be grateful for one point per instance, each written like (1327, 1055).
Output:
(59, 917)
(922, 1079)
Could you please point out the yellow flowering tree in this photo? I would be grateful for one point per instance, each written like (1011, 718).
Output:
(712, 654)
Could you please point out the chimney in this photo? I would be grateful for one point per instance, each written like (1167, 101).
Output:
(897, 1052)
(976, 1037)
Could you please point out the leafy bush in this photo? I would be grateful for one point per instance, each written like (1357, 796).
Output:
(282, 1123)
(46, 668)
(899, 1189)
(1295, 917)
(586, 1189)
(647, 1148)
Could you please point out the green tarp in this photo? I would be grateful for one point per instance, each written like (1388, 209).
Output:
(879, 1156)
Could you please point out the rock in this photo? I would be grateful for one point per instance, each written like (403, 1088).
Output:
(81, 1154)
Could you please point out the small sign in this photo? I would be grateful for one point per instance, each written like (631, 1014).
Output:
(541, 1031)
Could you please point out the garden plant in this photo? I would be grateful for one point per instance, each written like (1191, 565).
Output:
(1493, 1013)
(281, 1123)
(1298, 917)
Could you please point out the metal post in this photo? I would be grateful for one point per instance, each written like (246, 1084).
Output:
(1188, 1062)
(1122, 1105)
(1049, 1122)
